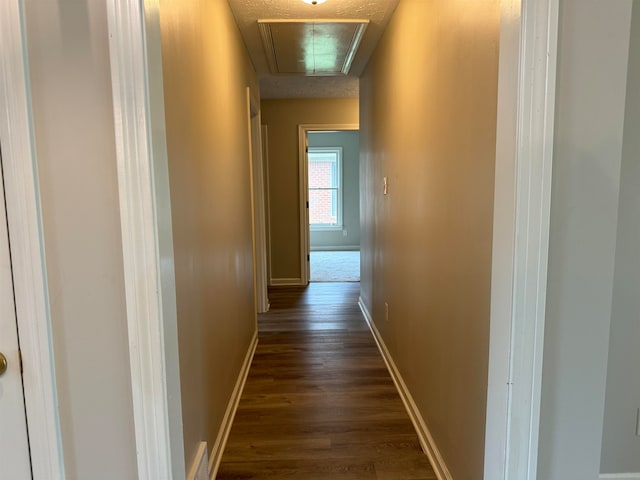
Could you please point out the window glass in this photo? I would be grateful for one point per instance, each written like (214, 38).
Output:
(324, 187)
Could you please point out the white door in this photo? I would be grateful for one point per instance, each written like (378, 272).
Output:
(14, 447)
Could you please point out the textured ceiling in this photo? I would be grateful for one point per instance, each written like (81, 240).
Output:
(308, 87)
(247, 13)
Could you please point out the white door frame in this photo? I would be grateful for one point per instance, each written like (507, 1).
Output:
(303, 180)
(267, 202)
(147, 236)
(524, 153)
(521, 227)
(259, 233)
(27, 247)
(14, 448)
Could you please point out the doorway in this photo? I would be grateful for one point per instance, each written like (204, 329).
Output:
(531, 20)
(330, 193)
(333, 167)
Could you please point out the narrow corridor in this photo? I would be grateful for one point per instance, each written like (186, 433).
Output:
(319, 402)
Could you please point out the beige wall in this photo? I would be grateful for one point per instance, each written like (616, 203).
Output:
(428, 122)
(75, 146)
(206, 72)
(282, 118)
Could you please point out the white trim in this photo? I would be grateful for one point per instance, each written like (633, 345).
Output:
(327, 228)
(536, 114)
(232, 407)
(427, 442)
(303, 182)
(145, 212)
(503, 241)
(267, 213)
(524, 182)
(336, 248)
(27, 248)
(259, 235)
(279, 282)
(200, 466)
(620, 476)
(252, 202)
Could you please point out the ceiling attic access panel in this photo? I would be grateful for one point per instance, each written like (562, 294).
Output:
(311, 47)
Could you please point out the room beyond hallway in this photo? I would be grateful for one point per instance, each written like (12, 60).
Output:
(334, 266)
(319, 402)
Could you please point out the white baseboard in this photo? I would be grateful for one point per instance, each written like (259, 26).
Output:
(200, 467)
(227, 421)
(620, 476)
(336, 248)
(279, 282)
(426, 440)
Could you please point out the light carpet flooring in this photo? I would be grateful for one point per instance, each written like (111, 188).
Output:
(335, 266)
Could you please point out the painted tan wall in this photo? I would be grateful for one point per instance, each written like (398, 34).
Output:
(428, 122)
(282, 118)
(206, 71)
(75, 145)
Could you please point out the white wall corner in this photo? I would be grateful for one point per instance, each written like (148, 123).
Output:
(427, 441)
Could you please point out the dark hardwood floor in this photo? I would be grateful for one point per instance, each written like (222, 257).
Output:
(319, 402)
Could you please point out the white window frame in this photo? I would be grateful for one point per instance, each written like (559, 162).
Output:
(337, 151)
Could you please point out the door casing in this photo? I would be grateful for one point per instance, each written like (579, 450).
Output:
(521, 225)
(524, 153)
(14, 448)
(258, 210)
(27, 247)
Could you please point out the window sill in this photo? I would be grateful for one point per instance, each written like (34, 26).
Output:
(328, 228)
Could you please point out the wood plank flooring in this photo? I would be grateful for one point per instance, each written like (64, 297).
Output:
(319, 402)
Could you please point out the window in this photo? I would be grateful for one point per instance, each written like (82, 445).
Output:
(325, 187)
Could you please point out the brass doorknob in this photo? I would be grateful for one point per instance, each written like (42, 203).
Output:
(3, 364)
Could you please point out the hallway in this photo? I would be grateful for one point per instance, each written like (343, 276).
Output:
(319, 402)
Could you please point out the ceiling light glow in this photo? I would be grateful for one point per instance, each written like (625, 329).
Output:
(314, 2)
